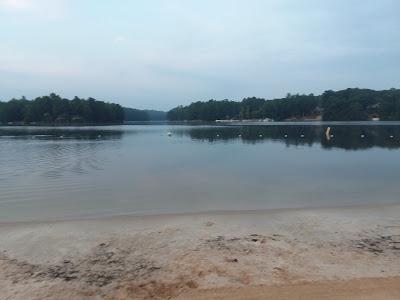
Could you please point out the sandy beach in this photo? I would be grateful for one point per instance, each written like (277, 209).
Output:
(336, 253)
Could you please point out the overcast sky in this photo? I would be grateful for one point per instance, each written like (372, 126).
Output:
(161, 53)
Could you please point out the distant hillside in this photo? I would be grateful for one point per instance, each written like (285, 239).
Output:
(132, 114)
(53, 109)
(346, 105)
(156, 115)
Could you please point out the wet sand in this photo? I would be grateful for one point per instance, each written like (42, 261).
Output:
(338, 253)
(356, 289)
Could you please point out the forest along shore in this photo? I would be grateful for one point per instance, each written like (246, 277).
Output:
(283, 254)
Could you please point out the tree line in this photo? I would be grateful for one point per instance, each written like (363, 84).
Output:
(345, 105)
(132, 114)
(54, 109)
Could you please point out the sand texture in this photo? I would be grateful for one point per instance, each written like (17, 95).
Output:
(338, 253)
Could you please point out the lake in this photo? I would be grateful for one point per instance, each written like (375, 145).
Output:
(78, 172)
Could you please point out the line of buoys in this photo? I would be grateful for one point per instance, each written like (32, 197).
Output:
(327, 132)
(329, 135)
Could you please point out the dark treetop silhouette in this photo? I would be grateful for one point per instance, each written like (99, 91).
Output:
(54, 109)
(345, 105)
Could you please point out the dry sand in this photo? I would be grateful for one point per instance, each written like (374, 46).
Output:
(341, 253)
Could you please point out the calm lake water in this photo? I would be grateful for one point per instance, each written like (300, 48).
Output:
(62, 173)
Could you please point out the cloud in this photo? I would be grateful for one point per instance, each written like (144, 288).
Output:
(49, 9)
(15, 4)
(120, 39)
(18, 64)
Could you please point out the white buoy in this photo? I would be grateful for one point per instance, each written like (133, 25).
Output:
(391, 136)
(260, 136)
(302, 135)
(169, 133)
(362, 136)
(217, 135)
(286, 135)
(99, 136)
(61, 136)
(328, 131)
(239, 135)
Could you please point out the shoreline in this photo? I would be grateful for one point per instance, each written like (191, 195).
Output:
(168, 215)
(216, 123)
(356, 289)
(216, 255)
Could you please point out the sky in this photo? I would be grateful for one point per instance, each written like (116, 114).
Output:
(158, 54)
